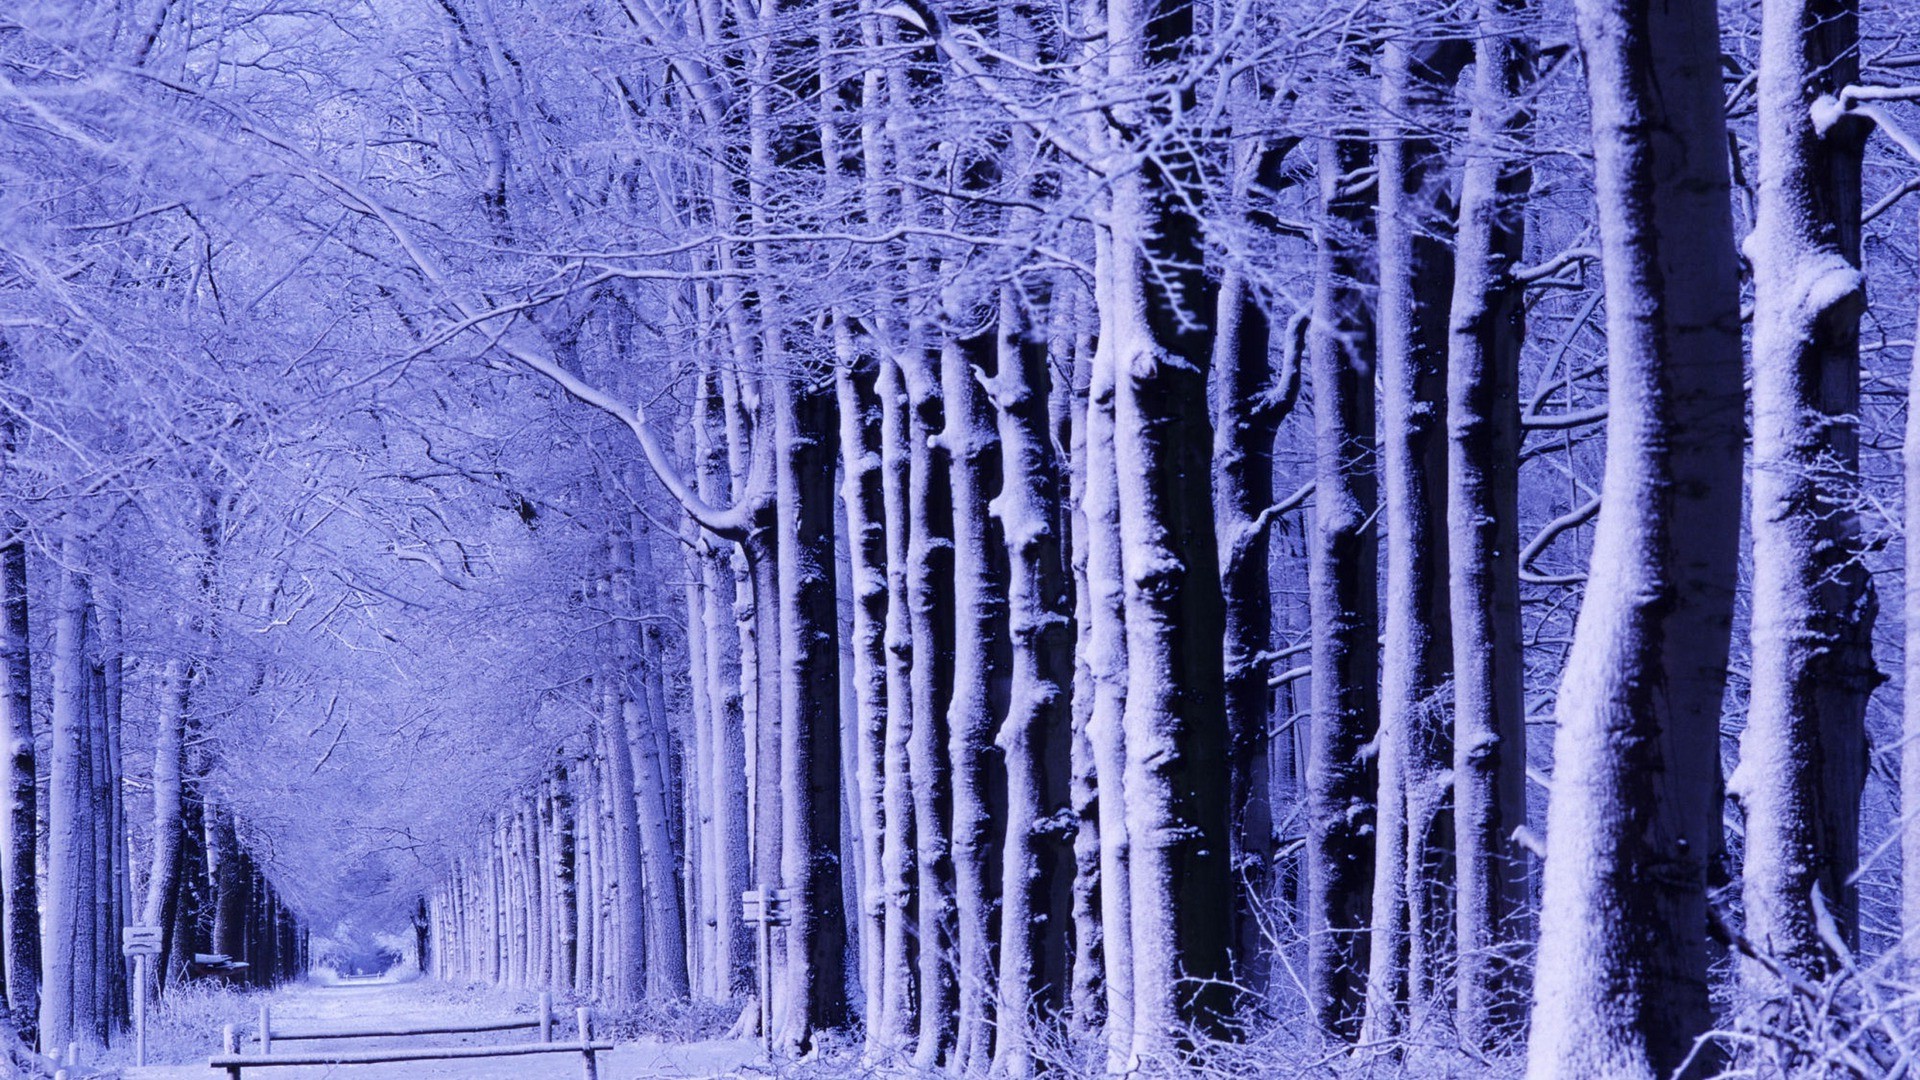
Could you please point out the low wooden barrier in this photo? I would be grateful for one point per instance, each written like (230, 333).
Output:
(234, 1062)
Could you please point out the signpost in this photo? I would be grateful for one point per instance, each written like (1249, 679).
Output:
(141, 944)
(766, 909)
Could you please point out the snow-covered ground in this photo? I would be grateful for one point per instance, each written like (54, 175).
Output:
(355, 1006)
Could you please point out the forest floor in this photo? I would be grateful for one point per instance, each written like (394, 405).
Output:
(351, 1006)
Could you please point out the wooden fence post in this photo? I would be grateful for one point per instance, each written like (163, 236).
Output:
(230, 1045)
(588, 1068)
(546, 1016)
(266, 1030)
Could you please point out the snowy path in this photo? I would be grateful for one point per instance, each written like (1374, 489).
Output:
(352, 1006)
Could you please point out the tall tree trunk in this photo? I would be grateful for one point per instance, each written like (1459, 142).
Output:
(1413, 883)
(1038, 865)
(626, 953)
(1803, 756)
(705, 900)
(69, 830)
(1910, 718)
(666, 970)
(855, 385)
(1341, 767)
(979, 673)
(20, 907)
(1244, 425)
(804, 423)
(648, 729)
(1176, 737)
(100, 802)
(726, 680)
(1088, 996)
(223, 861)
(169, 758)
(1107, 662)
(1483, 509)
(894, 1013)
(930, 585)
(1622, 972)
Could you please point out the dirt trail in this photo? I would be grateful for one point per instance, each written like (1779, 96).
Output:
(355, 1006)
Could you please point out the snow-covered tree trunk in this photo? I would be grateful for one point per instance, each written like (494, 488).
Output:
(566, 875)
(893, 1013)
(1910, 716)
(1244, 424)
(626, 952)
(892, 1018)
(1803, 756)
(1037, 867)
(19, 908)
(1106, 650)
(180, 917)
(1621, 989)
(1088, 993)
(92, 977)
(67, 903)
(930, 583)
(1176, 739)
(666, 969)
(586, 878)
(727, 780)
(1341, 764)
(855, 384)
(979, 673)
(1413, 881)
(103, 717)
(814, 983)
(1486, 332)
(649, 730)
(169, 756)
(702, 867)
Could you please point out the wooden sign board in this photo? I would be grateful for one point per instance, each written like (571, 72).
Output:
(140, 941)
(770, 907)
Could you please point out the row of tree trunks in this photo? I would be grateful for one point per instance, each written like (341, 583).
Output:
(1053, 746)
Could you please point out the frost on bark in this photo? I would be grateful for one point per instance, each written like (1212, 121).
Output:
(66, 958)
(626, 951)
(1341, 768)
(1803, 756)
(1910, 718)
(893, 1013)
(169, 758)
(19, 908)
(855, 380)
(705, 900)
(1106, 651)
(1176, 739)
(930, 592)
(1038, 866)
(1621, 989)
(1087, 996)
(1486, 332)
(979, 680)
(1250, 397)
(1413, 860)
(931, 624)
(727, 782)
(646, 721)
(814, 983)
